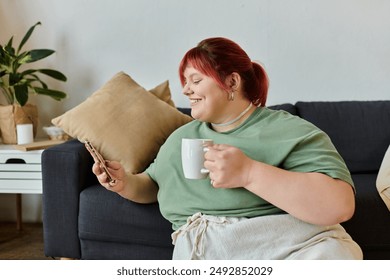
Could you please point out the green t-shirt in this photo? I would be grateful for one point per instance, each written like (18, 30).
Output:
(273, 137)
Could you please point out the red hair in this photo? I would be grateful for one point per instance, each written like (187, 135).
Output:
(220, 57)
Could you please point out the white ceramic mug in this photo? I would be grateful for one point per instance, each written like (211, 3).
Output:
(192, 157)
(24, 133)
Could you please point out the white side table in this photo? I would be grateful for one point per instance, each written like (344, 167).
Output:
(20, 172)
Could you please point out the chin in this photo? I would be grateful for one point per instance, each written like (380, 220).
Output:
(196, 115)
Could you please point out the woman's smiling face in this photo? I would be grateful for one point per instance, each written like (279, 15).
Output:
(208, 100)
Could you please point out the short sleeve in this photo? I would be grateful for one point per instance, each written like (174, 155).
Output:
(151, 170)
(316, 153)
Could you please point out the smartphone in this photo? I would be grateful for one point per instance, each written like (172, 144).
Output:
(99, 159)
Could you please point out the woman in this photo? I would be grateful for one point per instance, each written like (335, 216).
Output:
(277, 188)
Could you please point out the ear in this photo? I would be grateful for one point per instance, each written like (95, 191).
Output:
(233, 81)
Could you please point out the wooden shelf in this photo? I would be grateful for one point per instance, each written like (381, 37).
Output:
(39, 145)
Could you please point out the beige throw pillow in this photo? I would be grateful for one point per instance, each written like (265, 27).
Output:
(383, 179)
(163, 93)
(124, 121)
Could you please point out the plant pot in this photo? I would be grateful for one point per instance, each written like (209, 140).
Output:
(11, 115)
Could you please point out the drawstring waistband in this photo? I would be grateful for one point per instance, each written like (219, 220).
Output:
(199, 222)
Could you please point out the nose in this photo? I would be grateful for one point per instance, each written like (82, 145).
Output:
(187, 90)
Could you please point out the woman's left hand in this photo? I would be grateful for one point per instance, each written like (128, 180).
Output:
(228, 166)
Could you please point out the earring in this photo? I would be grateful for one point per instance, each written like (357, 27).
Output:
(231, 95)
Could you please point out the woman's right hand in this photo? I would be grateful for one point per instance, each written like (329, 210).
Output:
(118, 173)
(135, 187)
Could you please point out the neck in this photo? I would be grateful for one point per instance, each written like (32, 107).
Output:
(233, 121)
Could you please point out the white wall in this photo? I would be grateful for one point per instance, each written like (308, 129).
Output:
(312, 50)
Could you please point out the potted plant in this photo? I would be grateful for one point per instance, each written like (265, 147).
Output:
(18, 81)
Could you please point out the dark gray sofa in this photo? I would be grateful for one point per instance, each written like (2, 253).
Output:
(84, 221)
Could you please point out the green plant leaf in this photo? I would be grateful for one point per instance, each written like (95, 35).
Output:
(27, 36)
(28, 72)
(14, 78)
(21, 94)
(4, 58)
(57, 95)
(36, 78)
(22, 58)
(8, 48)
(2, 55)
(36, 55)
(54, 74)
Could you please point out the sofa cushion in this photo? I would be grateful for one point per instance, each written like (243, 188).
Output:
(360, 130)
(124, 121)
(142, 224)
(369, 226)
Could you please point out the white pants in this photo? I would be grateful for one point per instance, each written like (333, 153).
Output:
(272, 237)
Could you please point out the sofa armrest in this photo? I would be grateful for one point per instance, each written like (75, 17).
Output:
(66, 171)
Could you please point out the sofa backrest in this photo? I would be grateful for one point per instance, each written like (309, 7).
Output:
(288, 107)
(184, 110)
(360, 130)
